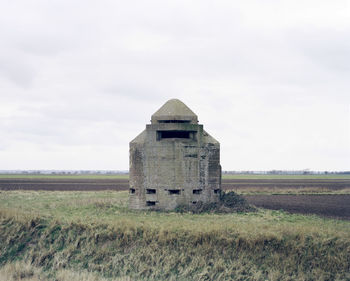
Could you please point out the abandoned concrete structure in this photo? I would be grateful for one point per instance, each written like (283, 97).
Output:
(174, 161)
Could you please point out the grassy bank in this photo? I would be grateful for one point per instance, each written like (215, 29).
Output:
(93, 234)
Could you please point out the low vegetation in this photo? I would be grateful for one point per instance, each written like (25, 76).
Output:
(291, 191)
(229, 202)
(21, 270)
(93, 236)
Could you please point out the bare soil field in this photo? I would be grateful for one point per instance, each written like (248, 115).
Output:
(242, 184)
(329, 205)
(75, 184)
(64, 184)
(332, 206)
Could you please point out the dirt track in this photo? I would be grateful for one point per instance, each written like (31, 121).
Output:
(326, 205)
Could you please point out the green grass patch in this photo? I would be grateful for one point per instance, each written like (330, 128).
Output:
(97, 233)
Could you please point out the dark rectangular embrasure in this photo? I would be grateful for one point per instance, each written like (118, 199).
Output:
(173, 134)
(197, 191)
(151, 191)
(150, 203)
(174, 191)
(174, 121)
(132, 190)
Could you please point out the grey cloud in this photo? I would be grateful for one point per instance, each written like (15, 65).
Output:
(17, 72)
(334, 56)
(92, 74)
(327, 48)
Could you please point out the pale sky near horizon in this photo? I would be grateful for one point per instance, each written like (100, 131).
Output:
(270, 80)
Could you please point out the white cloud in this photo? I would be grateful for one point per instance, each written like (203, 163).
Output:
(269, 80)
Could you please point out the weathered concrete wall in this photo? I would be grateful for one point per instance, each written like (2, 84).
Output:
(181, 168)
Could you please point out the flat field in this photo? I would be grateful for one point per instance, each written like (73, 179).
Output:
(80, 235)
(244, 184)
(325, 195)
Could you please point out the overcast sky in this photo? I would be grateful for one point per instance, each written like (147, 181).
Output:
(270, 80)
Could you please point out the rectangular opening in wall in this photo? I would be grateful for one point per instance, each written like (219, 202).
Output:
(197, 191)
(151, 191)
(132, 190)
(173, 135)
(174, 191)
(194, 202)
(150, 203)
(216, 191)
(174, 121)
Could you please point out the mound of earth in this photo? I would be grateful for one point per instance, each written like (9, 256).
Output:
(229, 202)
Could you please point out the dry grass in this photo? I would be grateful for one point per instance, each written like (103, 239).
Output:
(20, 270)
(93, 233)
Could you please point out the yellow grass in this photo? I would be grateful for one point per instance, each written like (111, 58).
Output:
(77, 233)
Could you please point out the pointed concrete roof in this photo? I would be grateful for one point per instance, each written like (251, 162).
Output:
(174, 110)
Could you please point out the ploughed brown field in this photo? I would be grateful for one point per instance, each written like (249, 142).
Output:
(333, 206)
(64, 184)
(329, 205)
(246, 184)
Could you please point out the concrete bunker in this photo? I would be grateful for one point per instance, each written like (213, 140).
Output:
(173, 161)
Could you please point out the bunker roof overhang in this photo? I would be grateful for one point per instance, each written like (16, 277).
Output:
(175, 127)
(174, 111)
